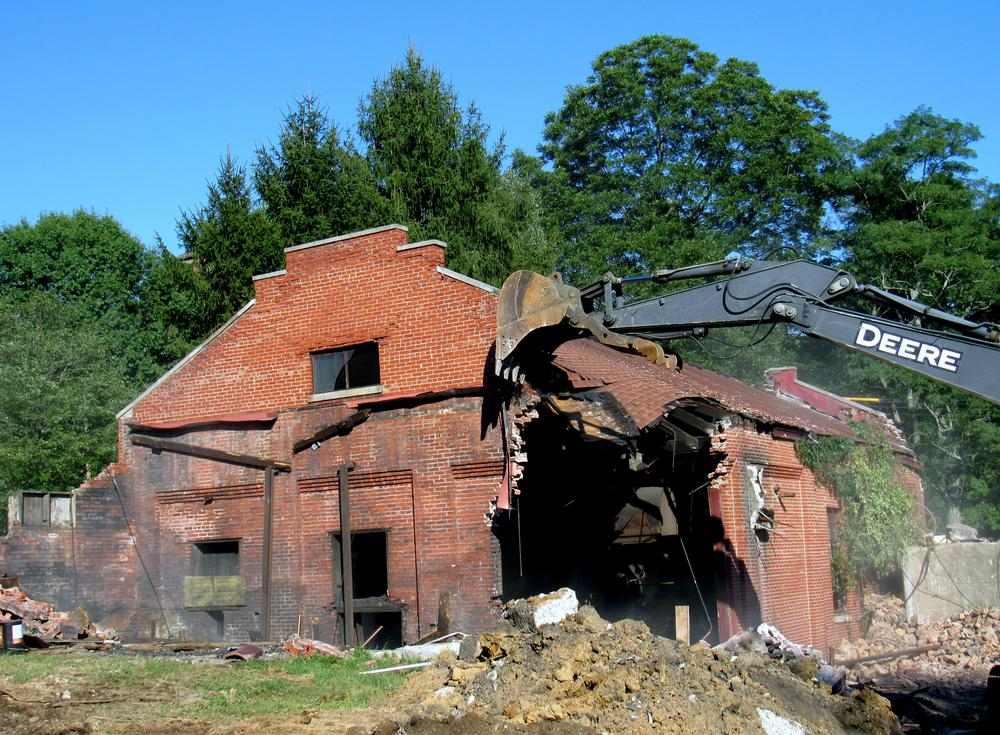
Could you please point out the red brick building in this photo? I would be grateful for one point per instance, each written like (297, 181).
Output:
(640, 486)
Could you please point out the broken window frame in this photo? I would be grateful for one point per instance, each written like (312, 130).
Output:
(367, 364)
(45, 505)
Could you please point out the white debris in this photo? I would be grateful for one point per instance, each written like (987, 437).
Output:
(555, 607)
(775, 724)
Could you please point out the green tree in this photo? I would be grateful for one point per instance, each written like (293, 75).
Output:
(878, 519)
(81, 257)
(313, 183)
(90, 262)
(437, 173)
(177, 306)
(62, 379)
(667, 156)
(919, 224)
(230, 240)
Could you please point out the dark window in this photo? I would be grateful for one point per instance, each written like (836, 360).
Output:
(349, 367)
(217, 559)
(369, 562)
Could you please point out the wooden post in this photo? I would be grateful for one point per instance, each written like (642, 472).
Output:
(682, 623)
(268, 532)
(347, 570)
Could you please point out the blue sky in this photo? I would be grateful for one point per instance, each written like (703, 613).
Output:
(125, 108)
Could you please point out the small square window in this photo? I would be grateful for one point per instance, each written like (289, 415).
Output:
(46, 510)
(343, 369)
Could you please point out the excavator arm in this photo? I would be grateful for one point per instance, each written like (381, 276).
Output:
(799, 293)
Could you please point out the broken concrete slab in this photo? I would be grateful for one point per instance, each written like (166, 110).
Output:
(547, 609)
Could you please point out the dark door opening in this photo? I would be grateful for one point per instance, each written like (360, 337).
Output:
(590, 518)
(373, 609)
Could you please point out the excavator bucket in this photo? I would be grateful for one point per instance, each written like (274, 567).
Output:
(530, 302)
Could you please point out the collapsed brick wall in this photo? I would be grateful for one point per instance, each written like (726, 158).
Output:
(91, 565)
(790, 574)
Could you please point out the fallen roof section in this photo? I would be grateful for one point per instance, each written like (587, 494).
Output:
(646, 391)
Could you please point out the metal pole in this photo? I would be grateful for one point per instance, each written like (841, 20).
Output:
(347, 571)
(268, 532)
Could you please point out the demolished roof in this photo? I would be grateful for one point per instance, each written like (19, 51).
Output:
(646, 392)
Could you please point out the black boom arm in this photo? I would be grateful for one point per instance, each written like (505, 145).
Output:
(804, 294)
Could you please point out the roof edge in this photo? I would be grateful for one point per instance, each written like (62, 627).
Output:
(422, 244)
(187, 358)
(348, 236)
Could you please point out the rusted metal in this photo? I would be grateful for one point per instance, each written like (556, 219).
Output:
(390, 403)
(268, 539)
(347, 569)
(340, 428)
(217, 455)
(530, 302)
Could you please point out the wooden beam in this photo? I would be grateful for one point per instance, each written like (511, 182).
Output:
(268, 537)
(347, 569)
(682, 624)
(341, 427)
(216, 455)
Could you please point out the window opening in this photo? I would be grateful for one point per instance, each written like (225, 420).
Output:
(217, 559)
(46, 510)
(215, 580)
(345, 368)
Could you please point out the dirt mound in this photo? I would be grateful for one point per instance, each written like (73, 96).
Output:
(621, 678)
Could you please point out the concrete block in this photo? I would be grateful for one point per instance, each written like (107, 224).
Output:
(961, 576)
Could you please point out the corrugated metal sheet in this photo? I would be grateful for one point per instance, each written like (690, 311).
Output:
(646, 391)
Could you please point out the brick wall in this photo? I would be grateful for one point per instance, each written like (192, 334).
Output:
(433, 331)
(789, 576)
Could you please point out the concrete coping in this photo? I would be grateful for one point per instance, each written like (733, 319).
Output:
(348, 236)
(422, 244)
(272, 274)
(467, 279)
(364, 390)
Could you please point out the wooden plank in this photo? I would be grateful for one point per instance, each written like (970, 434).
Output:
(682, 623)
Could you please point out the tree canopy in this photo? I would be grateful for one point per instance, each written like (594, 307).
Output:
(667, 156)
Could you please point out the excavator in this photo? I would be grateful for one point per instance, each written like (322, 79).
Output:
(535, 311)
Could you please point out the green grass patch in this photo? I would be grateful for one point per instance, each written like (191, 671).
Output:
(192, 689)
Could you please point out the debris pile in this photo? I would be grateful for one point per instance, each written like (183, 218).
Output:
(620, 677)
(309, 647)
(963, 646)
(43, 624)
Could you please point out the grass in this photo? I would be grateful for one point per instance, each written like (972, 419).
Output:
(182, 688)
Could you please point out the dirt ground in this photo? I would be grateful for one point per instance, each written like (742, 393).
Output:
(581, 677)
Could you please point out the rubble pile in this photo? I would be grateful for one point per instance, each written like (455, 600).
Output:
(44, 624)
(621, 678)
(965, 645)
